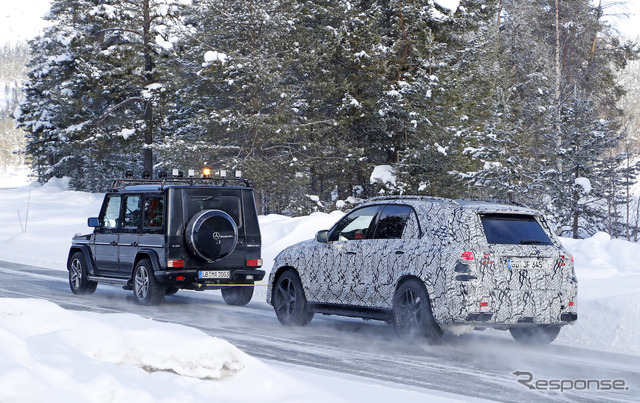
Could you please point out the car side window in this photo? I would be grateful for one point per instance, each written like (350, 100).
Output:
(412, 229)
(132, 213)
(111, 218)
(354, 226)
(392, 222)
(154, 212)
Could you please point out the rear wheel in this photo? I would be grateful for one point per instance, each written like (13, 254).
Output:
(289, 300)
(412, 317)
(146, 289)
(238, 295)
(537, 336)
(78, 276)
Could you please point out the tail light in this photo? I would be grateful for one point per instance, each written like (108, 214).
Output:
(467, 255)
(254, 262)
(175, 263)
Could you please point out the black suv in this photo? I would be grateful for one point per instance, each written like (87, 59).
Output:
(158, 236)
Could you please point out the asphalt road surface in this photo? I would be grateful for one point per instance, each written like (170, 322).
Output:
(481, 364)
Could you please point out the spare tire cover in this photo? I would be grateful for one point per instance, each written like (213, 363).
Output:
(211, 234)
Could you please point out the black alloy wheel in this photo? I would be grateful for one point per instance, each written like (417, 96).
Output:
(412, 316)
(289, 300)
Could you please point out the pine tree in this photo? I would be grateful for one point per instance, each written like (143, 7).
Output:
(95, 81)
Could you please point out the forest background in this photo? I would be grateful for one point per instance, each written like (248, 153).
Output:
(533, 102)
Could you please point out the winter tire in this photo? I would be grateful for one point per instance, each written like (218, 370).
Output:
(211, 235)
(238, 295)
(535, 336)
(78, 276)
(146, 289)
(290, 302)
(412, 317)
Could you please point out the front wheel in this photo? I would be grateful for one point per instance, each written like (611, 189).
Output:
(412, 317)
(240, 295)
(146, 289)
(289, 300)
(537, 336)
(78, 276)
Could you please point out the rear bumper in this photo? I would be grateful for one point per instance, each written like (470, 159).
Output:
(512, 308)
(189, 279)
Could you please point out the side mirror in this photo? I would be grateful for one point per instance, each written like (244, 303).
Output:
(93, 222)
(322, 236)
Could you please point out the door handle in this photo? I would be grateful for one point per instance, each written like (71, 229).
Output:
(114, 243)
(399, 252)
(135, 244)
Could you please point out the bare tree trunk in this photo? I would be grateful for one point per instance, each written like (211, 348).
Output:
(557, 90)
(148, 75)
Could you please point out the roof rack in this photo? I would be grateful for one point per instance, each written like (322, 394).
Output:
(119, 184)
(494, 201)
(419, 198)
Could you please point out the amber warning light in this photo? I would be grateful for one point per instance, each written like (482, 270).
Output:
(206, 172)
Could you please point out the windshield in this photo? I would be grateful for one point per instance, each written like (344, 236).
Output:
(514, 229)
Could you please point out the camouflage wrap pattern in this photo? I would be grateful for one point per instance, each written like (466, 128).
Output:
(366, 272)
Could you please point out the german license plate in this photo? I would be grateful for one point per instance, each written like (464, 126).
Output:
(524, 263)
(214, 274)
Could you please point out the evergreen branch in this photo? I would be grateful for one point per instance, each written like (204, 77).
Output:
(108, 112)
(120, 29)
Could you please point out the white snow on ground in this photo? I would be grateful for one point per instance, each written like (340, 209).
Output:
(55, 355)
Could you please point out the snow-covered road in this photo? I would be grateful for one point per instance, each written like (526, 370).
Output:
(479, 365)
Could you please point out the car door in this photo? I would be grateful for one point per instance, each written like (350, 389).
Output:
(335, 261)
(106, 236)
(394, 241)
(153, 224)
(128, 239)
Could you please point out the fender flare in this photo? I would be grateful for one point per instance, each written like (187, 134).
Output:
(152, 255)
(88, 257)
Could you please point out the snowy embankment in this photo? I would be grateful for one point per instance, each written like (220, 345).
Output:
(56, 355)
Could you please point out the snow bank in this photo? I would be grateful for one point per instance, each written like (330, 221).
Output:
(608, 294)
(50, 354)
(279, 231)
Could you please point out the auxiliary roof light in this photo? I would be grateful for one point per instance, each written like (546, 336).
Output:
(206, 172)
(238, 174)
(223, 173)
(191, 173)
(128, 174)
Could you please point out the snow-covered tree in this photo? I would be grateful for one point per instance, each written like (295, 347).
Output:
(96, 79)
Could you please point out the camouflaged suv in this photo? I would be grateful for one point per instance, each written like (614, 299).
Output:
(430, 264)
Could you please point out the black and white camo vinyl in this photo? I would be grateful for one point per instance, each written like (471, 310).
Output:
(366, 272)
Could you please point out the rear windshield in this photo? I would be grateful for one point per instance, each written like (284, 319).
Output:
(229, 204)
(514, 229)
